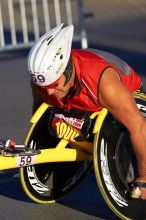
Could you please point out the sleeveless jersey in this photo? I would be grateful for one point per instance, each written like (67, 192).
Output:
(89, 66)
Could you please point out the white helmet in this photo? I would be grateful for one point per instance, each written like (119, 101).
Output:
(49, 57)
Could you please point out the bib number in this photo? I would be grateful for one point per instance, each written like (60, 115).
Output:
(25, 161)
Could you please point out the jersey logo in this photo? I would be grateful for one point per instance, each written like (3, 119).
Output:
(64, 130)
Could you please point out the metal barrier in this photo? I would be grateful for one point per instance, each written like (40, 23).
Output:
(22, 22)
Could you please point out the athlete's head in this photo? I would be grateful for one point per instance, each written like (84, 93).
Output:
(50, 57)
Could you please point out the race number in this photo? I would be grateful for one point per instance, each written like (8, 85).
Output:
(37, 78)
(23, 161)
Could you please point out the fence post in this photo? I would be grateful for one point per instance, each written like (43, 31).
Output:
(2, 40)
(84, 42)
(12, 22)
(24, 23)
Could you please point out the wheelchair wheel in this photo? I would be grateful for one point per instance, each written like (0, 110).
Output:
(48, 182)
(115, 166)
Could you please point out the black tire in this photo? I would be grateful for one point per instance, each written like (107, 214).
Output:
(115, 166)
(46, 183)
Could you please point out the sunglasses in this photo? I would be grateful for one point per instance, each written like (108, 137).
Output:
(52, 86)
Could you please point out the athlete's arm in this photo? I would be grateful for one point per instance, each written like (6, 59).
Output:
(119, 101)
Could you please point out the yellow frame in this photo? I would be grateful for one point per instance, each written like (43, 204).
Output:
(80, 151)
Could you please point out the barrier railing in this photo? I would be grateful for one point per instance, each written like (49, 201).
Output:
(22, 22)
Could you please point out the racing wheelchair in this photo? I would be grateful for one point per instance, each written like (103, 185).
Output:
(68, 145)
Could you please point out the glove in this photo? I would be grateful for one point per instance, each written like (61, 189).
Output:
(7, 145)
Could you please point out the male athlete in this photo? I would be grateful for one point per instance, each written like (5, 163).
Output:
(88, 80)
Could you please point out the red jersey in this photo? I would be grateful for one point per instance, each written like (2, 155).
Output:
(89, 66)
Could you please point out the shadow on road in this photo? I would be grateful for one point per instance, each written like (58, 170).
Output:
(13, 55)
(10, 186)
(85, 198)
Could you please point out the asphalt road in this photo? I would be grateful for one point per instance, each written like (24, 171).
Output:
(120, 24)
(85, 202)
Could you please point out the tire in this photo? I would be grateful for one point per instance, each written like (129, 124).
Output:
(115, 166)
(48, 182)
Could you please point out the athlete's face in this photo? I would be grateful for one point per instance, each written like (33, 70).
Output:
(57, 89)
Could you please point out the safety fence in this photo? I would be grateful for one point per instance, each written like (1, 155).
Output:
(22, 22)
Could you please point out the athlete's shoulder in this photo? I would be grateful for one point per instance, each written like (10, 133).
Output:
(84, 55)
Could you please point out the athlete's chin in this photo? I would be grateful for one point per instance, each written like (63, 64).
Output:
(60, 95)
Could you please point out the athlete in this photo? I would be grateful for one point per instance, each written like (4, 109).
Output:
(89, 80)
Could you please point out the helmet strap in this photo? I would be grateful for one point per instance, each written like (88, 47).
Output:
(68, 71)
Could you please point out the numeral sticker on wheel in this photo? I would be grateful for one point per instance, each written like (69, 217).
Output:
(25, 161)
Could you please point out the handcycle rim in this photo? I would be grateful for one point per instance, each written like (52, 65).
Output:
(99, 182)
(135, 207)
